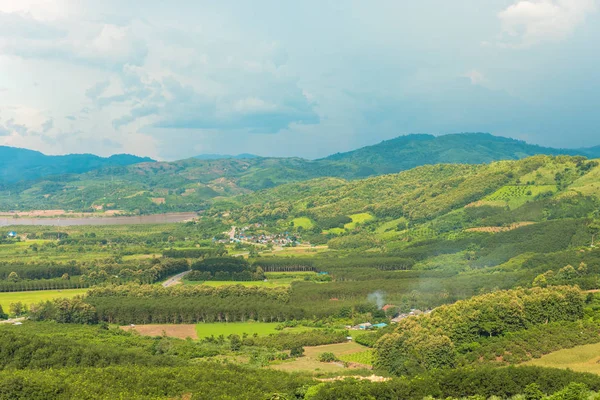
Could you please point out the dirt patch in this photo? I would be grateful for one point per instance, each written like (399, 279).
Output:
(497, 229)
(158, 200)
(372, 378)
(59, 213)
(177, 331)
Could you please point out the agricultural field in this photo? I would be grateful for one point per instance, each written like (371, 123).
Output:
(310, 363)
(516, 195)
(236, 328)
(273, 279)
(181, 331)
(358, 219)
(302, 222)
(363, 357)
(584, 358)
(33, 297)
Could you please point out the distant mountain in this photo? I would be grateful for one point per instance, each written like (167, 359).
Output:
(192, 184)
(406, 152)
(18, 164)
(244, 156)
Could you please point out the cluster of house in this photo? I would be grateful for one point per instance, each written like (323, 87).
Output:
(366, 326)
(397, 318)
(11, 235)
(243, 235)
(411, 313)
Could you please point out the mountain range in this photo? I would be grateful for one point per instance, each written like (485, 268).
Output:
(133, 184)
(18, 164)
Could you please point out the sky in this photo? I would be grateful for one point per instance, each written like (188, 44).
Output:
(308, 78)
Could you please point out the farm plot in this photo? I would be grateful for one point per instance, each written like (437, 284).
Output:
(516, 195)
(235, 328)
(584, 358)
(178, 331)
(310, 360)
(28, 298)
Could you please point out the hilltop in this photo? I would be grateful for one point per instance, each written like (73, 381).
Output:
(406, 152)
(18, 164)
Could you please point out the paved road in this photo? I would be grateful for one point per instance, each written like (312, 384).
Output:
(175, 280)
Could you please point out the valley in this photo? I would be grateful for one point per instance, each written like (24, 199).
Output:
(443, 273)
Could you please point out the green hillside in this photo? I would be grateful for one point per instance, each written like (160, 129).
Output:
(429, 201)
(189, 185)
(406, 152)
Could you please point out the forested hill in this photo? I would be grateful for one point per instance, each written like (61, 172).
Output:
(189, 185)
(427, 201)
(18, 164)
(406, 152)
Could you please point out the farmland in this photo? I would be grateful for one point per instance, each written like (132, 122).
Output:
(180, 331)
(310, 362)
(584, 358)
(33, 297)
(235, 328)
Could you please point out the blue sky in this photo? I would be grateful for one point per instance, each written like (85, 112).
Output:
(306, 78)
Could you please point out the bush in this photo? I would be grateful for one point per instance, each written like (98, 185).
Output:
(297, 351)
(327, 357)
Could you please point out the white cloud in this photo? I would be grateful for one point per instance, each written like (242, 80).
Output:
(529, 22)
(476, 77)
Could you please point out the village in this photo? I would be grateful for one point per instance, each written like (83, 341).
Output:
(247, 235)
(397, 318)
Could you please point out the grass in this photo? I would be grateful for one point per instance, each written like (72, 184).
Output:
(516, 195)
(358, 219)
(274, 279)
(36, 296)
(303, 222)
(584, 358)
(310, 360)
(334, 231)
(238, 328)
(589, 184)
(390, 225)
(364, 357)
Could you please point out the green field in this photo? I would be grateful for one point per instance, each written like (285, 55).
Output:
(364, 357)
(310, 363)
(274, 279)
(584, 358)
(516, 195)
(358, 219)
(302, 222)
(238, 328)
(36, 296)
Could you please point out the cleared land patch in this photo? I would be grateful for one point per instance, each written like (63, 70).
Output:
(32, 297)
(274, 279)
(310, 361)
(182, 331)
(235, 328)
(584, 358)
(516, 195)
(497, 229)
(358, 219)
(302, 222)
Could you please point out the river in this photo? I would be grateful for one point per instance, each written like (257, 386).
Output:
(135, 220)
